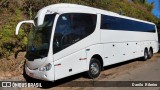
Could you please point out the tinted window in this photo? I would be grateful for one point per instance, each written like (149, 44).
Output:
(115, 23)
(72, 28)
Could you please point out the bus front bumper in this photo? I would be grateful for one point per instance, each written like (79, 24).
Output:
(42, 75)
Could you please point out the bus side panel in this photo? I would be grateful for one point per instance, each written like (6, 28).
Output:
(70, 64)
(118, 52)
(112, 53)
(125, 45)
(96, 49)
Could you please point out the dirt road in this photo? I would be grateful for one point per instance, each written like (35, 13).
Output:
(134, 70)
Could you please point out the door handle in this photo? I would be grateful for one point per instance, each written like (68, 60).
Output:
(57, 64)
(82, 58)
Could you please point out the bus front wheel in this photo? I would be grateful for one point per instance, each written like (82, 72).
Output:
(94, 68)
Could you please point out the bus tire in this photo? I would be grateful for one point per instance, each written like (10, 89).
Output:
(150, 53)
(145, 57)
(94, 68)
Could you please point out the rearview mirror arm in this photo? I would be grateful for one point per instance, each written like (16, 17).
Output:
(20, 23)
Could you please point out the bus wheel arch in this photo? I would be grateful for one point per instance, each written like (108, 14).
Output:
(97, 56)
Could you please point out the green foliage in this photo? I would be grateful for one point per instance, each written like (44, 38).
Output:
(13, 11)
(9, 18)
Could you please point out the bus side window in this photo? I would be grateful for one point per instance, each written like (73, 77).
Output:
(71, 28)
(84, 25)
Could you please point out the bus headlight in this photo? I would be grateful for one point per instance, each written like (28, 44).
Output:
(46, 67)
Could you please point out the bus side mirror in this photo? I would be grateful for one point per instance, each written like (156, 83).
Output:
(20, 23)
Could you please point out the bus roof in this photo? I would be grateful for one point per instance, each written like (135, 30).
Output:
(74, 8)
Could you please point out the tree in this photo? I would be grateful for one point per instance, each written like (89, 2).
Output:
(4, 3)
(141, 1)
(32, 6)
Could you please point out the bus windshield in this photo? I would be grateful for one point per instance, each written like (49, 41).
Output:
(39, 38)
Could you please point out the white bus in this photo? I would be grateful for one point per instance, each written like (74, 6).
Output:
(68, 39)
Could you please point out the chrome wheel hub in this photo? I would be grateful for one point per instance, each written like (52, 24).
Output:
(94, 68)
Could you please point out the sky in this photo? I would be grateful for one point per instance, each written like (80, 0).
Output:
(156, 10)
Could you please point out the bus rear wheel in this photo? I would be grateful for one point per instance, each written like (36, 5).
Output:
(145, 57)
(94, 68)
(150, 53)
